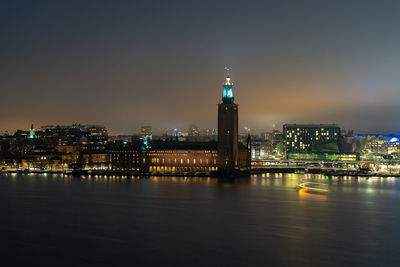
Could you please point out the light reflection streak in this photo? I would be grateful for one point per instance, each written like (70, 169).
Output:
(305, 194)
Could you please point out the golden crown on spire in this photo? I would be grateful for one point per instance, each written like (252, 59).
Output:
(228, 81)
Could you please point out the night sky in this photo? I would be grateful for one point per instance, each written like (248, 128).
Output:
(124, 64)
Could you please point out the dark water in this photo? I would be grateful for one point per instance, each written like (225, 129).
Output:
(264, 221)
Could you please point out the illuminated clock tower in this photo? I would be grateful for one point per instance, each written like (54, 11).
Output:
(228, 150)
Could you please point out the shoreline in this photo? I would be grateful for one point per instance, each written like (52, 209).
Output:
(216, 175)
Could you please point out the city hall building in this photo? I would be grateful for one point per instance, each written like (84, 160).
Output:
(175, 157)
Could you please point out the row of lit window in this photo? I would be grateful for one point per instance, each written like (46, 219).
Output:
(181, 169)
(182, 161)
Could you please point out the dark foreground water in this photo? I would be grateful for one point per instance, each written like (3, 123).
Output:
(57, 220)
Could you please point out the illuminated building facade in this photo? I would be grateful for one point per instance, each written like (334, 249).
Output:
(165, 157)
(128, 158)
(96, 134)
(324, 156)
(146, 132)
(269, 146)
(182, 157)
(228, 150)
(171, 157)
(304, 138)
(386, 145)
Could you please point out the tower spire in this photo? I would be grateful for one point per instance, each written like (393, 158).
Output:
(227, 96)
(32, 133)
(228, 149)
(227, 71)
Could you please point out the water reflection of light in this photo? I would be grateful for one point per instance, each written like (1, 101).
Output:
(178, 179)
(370, 190)
(305, 194)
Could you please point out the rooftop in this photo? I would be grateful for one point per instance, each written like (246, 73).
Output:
(311, 126)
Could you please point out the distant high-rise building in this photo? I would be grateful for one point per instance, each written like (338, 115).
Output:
(176, 133)
(304, 138)
(146, 132)
(193, 130)
(265, 136)
(228, 150)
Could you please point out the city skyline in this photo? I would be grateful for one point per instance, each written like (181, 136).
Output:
(124, 66)
(200, 133)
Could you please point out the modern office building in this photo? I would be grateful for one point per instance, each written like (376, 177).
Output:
(306, 138)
